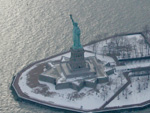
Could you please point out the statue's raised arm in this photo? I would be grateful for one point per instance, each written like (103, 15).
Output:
(72, 19)
(76, 35)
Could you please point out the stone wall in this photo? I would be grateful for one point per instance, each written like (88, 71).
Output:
(47, 79)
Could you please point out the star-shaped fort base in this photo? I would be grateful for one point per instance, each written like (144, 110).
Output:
(62, 76)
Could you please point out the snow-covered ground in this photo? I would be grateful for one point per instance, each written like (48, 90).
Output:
(97, 47)
(137, 92)
(139, 48)
(72, 98)
(130, 46)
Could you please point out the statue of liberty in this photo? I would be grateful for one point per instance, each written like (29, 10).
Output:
(76, 35)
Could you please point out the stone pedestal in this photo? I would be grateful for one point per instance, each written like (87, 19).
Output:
(77, 60)
(62, 76)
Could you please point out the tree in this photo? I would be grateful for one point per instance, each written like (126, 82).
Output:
(118, 97)
(126, 93)
(104, 92)
(117, 41)
(120, 76)
(144, 85)
(104, 49)
(139, 87)
(123, 92)
(135, 52)
(146, 29)
(131, 83)
(147, 84)
(148, 75)
(94, 48)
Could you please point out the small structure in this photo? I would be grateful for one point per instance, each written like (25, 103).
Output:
(77, 72)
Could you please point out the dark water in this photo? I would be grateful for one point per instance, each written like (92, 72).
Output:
(31, 30)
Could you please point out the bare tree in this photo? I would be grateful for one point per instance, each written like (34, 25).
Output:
(144, 85)
(105, 50)
(123, 92)
(146, 29)
(126, 93)
(142, 43)
(118, 97)
(147, 84)
(104, 92)
(94, 48)
(120, 76)
(139, 87)
(131, 83)
(111, 47)
(148, 51)
(135, 50)
(148, 75)
(117, 41)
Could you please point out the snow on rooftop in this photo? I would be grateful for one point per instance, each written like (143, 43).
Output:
(50, 63)
(62, 78)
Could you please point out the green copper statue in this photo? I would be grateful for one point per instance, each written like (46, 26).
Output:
(76, 35)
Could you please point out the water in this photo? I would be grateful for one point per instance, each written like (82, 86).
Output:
(31, 30)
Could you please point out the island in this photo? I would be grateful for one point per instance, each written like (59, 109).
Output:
(110, 74)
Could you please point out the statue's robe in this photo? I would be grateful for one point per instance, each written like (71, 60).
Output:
(76, 37)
